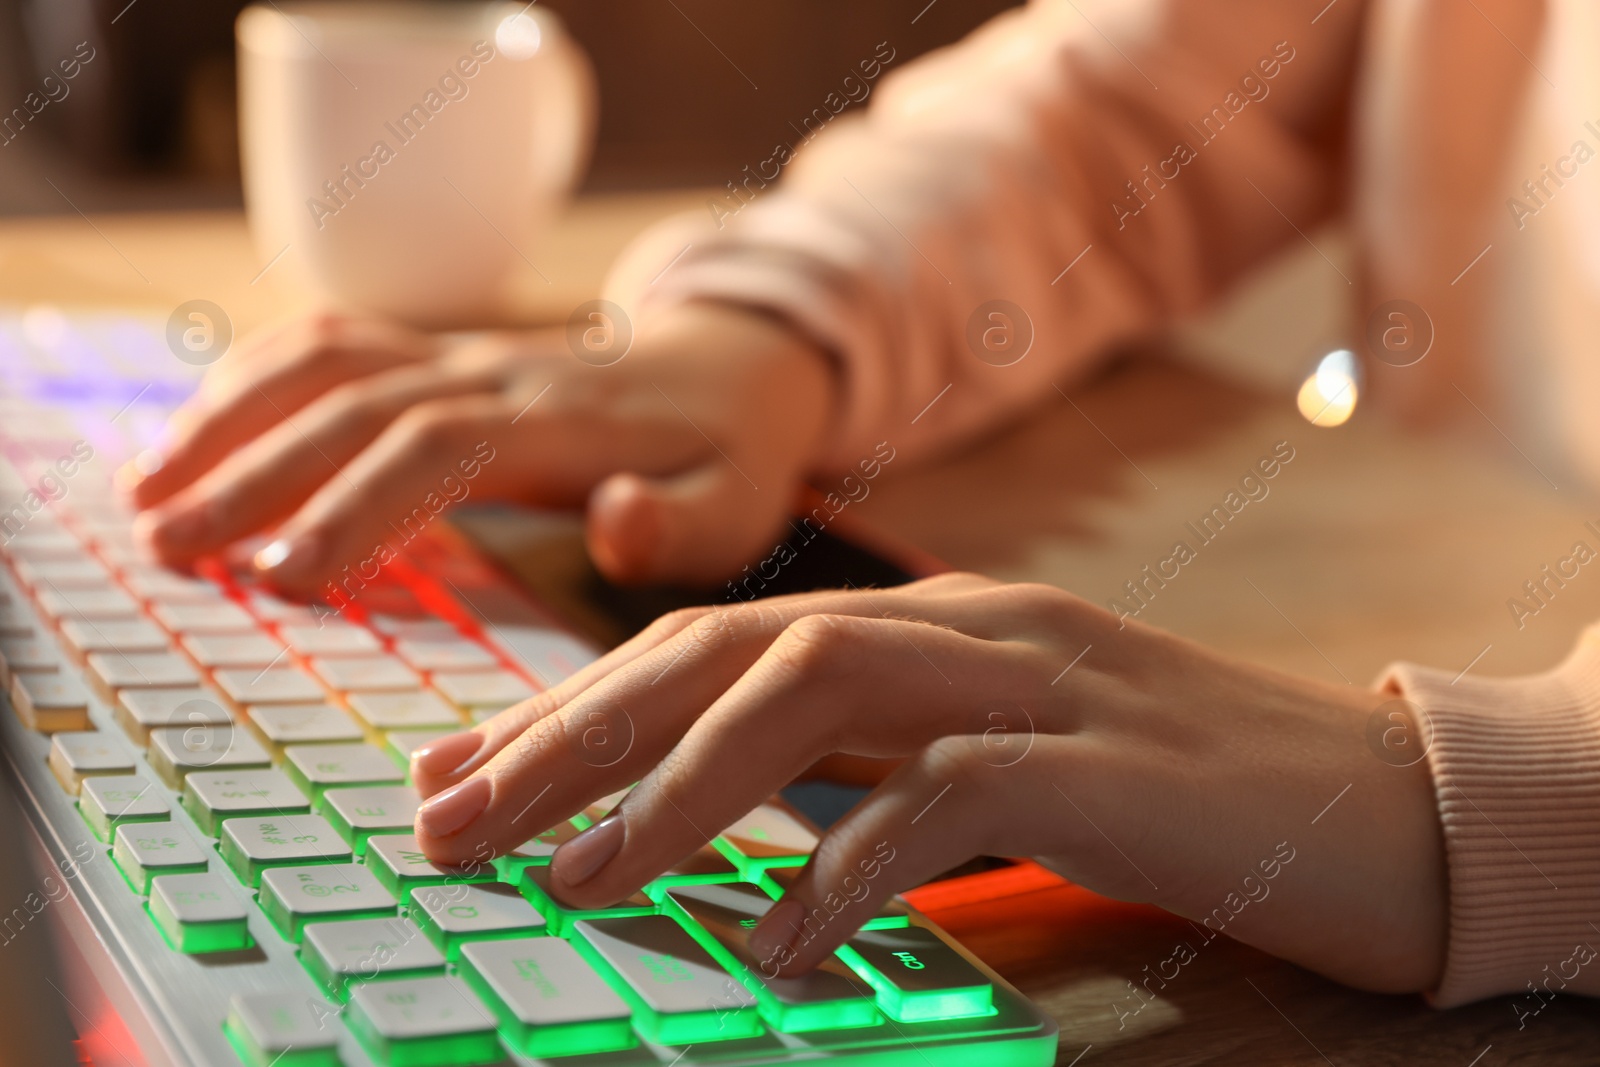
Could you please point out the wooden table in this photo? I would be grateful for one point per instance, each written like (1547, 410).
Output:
(1373, 545)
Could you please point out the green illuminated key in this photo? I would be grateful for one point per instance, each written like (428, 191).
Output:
(550, 1002)
(535, 885)
(452, 915)
(362, 950)
(108, 801)
(142, 851)
(399, 864)
(198, 913)
(830, 997)
(292, 897)
(767, 837)
(535, 851)
(423, 1022)
(918, 975)
(253, 845)
(316, 768)
(360, 812)
(177, 751)
(286, 1029)
(679, 993)
(211, 796)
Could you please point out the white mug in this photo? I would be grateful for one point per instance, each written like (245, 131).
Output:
(403, 157)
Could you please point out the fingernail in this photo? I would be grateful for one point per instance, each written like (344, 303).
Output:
(772, 941)
(290, 555)
(137, 469)
(448, 812)
(447, 755)
(580, 859)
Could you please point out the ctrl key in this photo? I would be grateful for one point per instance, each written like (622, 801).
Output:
(918, 976)
(198, 913)
(423, 1022)
(286, 1029)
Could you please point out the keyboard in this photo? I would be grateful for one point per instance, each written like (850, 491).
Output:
(223, 773)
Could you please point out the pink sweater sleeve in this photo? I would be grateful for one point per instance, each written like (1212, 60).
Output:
(1516, 769)
(1100, 176)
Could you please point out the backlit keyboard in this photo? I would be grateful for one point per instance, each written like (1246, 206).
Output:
(223, 775)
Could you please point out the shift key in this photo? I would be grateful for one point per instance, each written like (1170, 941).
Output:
(680, 995)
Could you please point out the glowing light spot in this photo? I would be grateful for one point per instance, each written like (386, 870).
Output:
(518, 36)
(1328, 396)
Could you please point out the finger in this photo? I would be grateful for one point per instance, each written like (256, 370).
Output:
(871, 687)
(269, 477)
(546, 775)
(274, 377)
(938, 809)
(445, 761)
(686, 527)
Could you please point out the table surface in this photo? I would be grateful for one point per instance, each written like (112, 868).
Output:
(1374, 545)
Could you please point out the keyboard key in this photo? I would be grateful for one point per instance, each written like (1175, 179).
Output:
(50, 703)
(767, 835)
(918, 975)
(452, 915)
(105, 602)
(331, 639)
(198, 913)
(144, 850)
(292, 897)
(176, 751)
(275, 685)
(450, 654)
(139, 711)
(482, 689)
(417, 628)
(76, 755)
(63, 574)
(217, 616)
(315, 768)
(830, 997)
(431, 1020)
(303, 724)
(289, 1029)
(142, 670)
(252, 846)
(16, 621)
(154, 583)
(365, 673)
(534, 851)
(342, 953)
(212, 796)
(398, 862)
(113, 635)
(33, 655)
(415, 710)
(233, 650)
(400, 744)
(551, 655)
(680, 995)
(361, 812)
(43, 545)
(110, 801)
(535, 885)
(550, 1002)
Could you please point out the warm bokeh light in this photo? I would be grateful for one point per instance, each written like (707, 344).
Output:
(1328, 396)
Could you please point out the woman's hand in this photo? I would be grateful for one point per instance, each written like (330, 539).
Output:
(688, 451)
(1135, 763)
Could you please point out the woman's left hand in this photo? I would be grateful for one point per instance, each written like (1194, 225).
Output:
(1029, 722)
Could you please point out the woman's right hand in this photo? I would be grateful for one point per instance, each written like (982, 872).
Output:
(688, 452)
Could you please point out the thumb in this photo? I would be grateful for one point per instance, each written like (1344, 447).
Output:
(697, 526)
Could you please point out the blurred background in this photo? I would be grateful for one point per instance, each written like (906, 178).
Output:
(153, 123)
